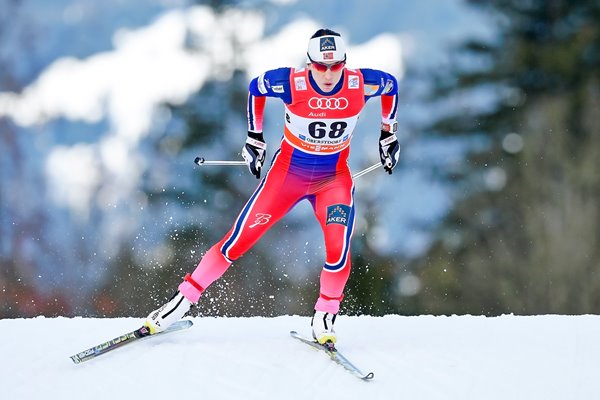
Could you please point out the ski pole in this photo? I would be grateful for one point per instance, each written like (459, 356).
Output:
(366, 170)
(202, 161)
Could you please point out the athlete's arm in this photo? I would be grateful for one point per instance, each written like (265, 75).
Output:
(273, 83)
(379, 83)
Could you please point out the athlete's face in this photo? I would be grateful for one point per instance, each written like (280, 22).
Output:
(326, 76)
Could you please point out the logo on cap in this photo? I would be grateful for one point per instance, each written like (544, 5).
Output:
(327, 44)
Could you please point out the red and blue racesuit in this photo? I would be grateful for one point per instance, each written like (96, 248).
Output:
(311, 164)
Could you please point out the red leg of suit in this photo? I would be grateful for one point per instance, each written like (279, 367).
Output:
(334, 208)
(275, 196)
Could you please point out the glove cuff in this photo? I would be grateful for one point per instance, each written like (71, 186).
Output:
(256, 139)
(387, 138)
(256, 135)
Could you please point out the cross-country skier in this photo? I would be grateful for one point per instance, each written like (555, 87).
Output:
(322, 105)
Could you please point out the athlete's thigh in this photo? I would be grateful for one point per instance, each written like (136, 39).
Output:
(334, 208)
(268, 204)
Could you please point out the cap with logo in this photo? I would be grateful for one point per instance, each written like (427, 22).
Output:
(326, 49)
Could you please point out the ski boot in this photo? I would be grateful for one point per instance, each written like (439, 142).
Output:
(322, 327)
(166, 315)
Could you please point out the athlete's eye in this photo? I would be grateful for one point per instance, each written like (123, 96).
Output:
(333, 67)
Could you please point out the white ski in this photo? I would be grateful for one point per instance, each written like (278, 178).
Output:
(138, 334)
(335, 355)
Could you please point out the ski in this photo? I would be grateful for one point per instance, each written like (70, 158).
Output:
(335, 355)
(134, 336)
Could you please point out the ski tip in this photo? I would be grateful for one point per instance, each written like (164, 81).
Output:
(368, 376)
(81, 357)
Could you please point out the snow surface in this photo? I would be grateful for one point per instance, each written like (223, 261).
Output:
(425, 357)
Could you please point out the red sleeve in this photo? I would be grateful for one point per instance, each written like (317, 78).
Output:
(389, 105)
(256, 110)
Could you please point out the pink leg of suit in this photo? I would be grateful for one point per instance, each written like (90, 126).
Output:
(331, 195)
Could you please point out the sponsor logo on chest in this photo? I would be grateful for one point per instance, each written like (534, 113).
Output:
(319, 106)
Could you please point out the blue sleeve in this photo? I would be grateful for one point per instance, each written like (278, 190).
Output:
(384, 85)
(379, 83)
(273, 83)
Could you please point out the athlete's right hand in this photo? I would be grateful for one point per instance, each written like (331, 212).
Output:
(254, 152)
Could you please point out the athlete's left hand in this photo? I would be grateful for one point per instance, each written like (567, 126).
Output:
(389, 150)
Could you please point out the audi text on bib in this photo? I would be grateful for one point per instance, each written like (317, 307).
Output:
(319, 124)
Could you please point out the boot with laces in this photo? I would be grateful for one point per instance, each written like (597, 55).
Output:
(322, 327)
(163, 317)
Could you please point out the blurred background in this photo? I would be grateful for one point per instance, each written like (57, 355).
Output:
(492, 209)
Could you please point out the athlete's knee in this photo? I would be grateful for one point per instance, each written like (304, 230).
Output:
(335, 250)
(340, 264)
(232, 250)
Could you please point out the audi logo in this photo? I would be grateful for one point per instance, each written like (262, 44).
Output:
(318, 103)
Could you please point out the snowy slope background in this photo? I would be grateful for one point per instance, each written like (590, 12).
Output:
(425, 357)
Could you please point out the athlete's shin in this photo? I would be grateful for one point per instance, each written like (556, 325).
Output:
(212, 266)
(332, 289)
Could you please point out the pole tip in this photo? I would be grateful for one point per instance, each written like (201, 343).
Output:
(199, 160)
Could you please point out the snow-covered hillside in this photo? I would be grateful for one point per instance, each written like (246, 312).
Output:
(426, 357)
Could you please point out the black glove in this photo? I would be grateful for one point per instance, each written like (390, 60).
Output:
(254, 152)
(389, 150)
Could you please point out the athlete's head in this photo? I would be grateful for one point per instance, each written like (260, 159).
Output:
(326, 46)
(326, 58)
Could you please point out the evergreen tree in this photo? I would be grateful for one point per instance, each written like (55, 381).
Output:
(524, 236)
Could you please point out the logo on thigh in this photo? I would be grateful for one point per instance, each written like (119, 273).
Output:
(338, 214)
(261, 219)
